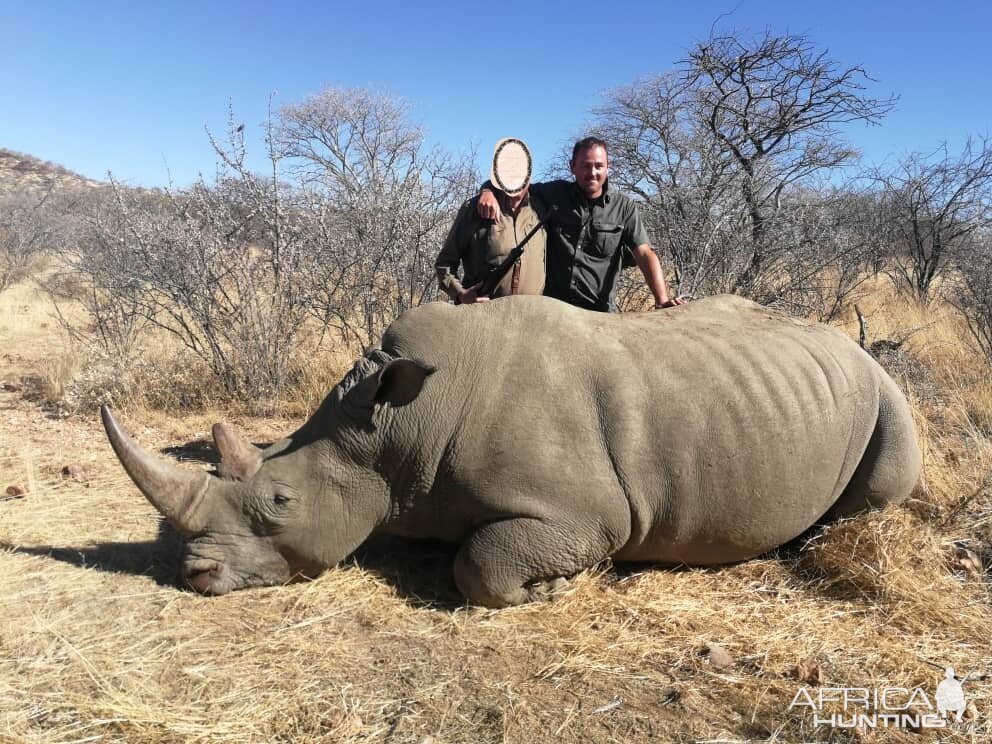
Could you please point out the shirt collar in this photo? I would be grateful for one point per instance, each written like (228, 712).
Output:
(504, 200)
(602, 200)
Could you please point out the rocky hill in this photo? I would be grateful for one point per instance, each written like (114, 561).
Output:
(20, 173)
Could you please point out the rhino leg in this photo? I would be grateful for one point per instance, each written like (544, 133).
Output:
(890, 466)
(523, 560)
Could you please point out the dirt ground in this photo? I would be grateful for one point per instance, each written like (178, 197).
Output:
(98, 644)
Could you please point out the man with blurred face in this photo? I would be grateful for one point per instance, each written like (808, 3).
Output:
(593, 234)
(479, 245)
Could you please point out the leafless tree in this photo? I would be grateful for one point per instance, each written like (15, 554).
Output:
(660, 153)
(389, 200)
(773, 105)
(934, 206)
(725, 154)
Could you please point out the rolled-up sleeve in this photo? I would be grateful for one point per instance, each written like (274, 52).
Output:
(450, 257)
(634, 233)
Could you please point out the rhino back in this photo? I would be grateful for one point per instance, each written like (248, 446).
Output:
(703, 434)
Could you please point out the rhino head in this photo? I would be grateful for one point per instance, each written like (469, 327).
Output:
(271, 516)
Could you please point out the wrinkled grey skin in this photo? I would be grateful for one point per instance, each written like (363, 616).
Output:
(541, 439)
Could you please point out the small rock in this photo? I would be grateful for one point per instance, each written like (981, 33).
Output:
(807, 671)
(970, 712)
(968, 561)
(16, 491)
(344, 723)
(719, 657)
(612, 705)
(75, 471)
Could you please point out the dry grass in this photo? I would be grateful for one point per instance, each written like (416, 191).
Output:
(97, 645)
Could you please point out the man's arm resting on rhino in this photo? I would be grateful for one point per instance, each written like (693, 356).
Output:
(650, 267)
(446, 267)
(448, 282)
(450, 258)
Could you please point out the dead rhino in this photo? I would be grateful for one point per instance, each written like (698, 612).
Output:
(541, 439)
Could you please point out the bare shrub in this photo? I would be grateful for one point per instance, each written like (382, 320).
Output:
(26, 229)
(972, 293)
(165, 381)
(824, 255)
(222, 268)
(96, 268)
(342, 229)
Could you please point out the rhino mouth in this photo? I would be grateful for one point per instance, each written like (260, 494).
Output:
(214, 577)
(204, 577)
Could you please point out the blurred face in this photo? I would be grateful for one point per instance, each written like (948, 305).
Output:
(590, 168)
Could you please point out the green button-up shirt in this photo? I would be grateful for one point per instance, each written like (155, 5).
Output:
(589, 242)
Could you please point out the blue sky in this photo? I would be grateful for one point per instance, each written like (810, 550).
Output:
(129, 86)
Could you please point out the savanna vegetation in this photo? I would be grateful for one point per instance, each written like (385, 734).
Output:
(246, 297)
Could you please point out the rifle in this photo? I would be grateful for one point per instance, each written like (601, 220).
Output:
(495, 275)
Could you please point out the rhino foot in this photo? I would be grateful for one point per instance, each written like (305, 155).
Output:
(522, 560)
(534, 591)
(546, 590)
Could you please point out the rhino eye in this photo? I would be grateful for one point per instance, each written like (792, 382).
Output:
(280, 500)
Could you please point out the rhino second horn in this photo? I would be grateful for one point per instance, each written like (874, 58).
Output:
(175, 492)
(239, 458)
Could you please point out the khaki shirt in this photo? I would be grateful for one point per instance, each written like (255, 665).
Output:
(479, 245)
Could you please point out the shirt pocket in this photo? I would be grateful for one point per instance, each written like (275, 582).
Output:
(492, 240)
(604, 238)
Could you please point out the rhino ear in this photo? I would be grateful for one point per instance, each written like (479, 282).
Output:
(239, 458)
(400, 381)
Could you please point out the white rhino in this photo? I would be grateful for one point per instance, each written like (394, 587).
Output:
(542, 438)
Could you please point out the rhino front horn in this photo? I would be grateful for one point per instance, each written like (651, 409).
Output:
(175, 492)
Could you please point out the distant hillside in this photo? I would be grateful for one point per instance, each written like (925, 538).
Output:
(27, 174)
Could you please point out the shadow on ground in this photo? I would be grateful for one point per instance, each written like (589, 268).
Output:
(199, 451)
(419, 569)
(157, 559)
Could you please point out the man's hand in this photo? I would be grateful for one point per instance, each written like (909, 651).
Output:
(671, 302)
(471, 295)
(488, 206)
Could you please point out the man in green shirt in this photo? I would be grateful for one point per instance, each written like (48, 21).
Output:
(592, 232)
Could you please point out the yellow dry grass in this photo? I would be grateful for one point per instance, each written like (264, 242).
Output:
(97, 645)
